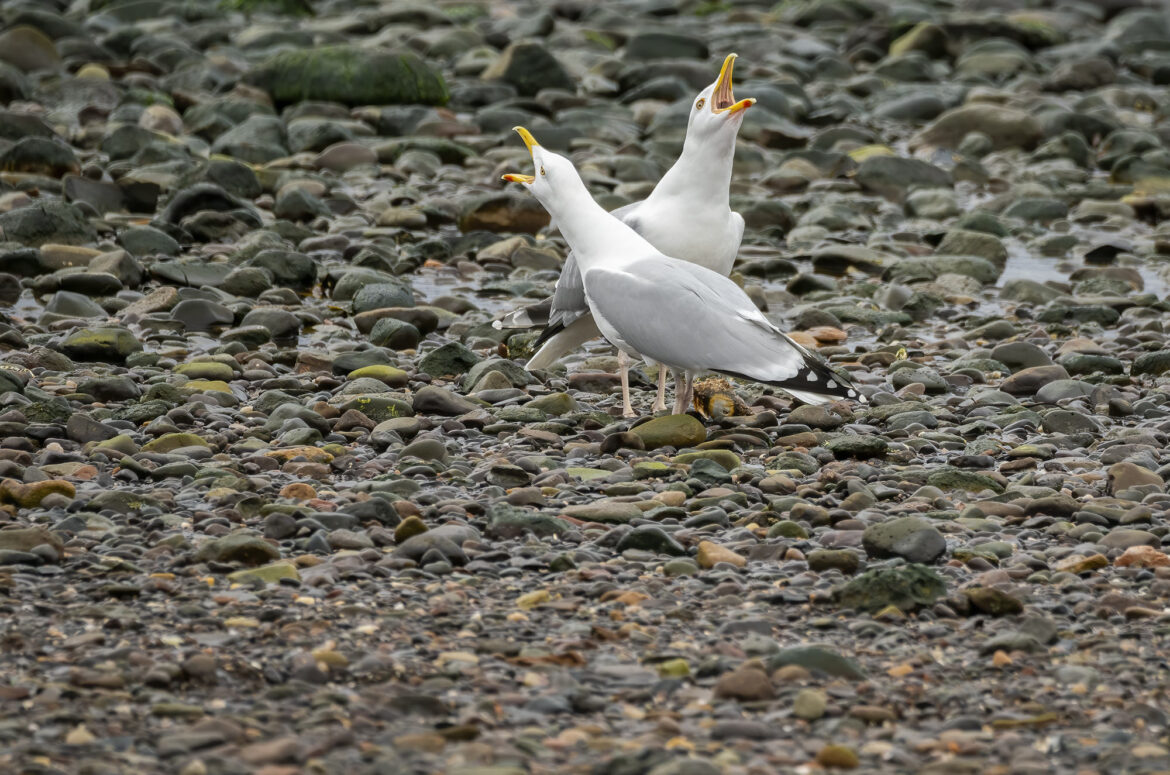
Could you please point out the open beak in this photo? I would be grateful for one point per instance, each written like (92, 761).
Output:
(722, 99)
(526, 136)
(529, 143)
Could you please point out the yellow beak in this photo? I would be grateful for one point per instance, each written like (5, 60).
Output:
(722, 94)
(526, 136)
(530, 143)
(743, 104)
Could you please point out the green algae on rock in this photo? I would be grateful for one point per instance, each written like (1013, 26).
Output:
(350, 75)
(906, 586)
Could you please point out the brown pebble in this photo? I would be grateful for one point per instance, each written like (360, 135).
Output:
(790, 674)
(838, 756)
(298, 491)
(746, 684)
(407, 509)
(710, 554)
(408, 528)
(873, 714)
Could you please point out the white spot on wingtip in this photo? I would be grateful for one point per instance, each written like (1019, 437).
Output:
(832, 384)
(811, 377)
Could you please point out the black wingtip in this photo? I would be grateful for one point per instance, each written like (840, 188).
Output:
(548, 332)
(815, 378)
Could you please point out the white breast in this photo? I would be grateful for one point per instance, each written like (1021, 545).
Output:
(703, 238)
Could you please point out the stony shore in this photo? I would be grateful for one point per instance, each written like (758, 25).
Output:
(276, 498)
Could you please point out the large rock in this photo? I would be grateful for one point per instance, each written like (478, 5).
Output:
(383, 294)
(906, 587)
(109, 345)
(350, 75)
(530, 67)
(676, 430)
(448, 360)
(244, 548)
(28, 49)
(435, 400)
(39, 156)
(605, 510)
(289, 269)
(951, 478)
(13, 377)
(14, 85)
(258, 140)
(913, 539)
(817, 660)
(1155, 363)
(965, 242)
(1005, 127)
(14, 126)
(1028, 381)
(200, 197)
(916, 269)
(893, 176)
(1125, 475)
(664, 44)
(48, 220)
(503, 212)
(24, 539)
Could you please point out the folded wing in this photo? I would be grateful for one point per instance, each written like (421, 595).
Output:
(692, 318)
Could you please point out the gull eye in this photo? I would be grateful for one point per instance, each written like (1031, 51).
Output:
(542, 170)
(700, 103)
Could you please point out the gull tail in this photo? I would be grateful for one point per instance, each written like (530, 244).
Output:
(526, 317)
(557, 341)
(815, 382)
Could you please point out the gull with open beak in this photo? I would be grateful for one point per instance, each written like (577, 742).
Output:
(688, 216)
(681, 315)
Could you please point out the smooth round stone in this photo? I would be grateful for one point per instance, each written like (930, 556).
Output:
(206, 370)
(425, 449)
(911, 538)
(201, 314)
(76, 305)
(395, 334)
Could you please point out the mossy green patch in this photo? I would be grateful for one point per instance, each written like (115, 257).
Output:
(271, 573)
(392, 376)
(285, 7)
(171, 441)
(205, 370)
(204, 385)
(351, 75)
(723, 457)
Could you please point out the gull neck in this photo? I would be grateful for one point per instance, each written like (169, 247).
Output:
(596, 237)
(701, 175)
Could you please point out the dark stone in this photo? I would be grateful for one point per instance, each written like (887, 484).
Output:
(47, 220)
(906, 587)
(351, 75)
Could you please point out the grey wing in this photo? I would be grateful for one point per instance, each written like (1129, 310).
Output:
(568, 302)
(688, 317)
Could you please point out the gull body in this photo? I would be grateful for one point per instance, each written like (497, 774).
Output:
(681, 315)
(688, 216)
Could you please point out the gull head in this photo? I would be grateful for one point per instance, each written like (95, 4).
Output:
(554, 179)
(716, 110)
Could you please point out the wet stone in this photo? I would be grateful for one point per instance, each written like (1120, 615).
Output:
(279, 493)
(906, 588)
